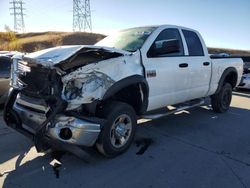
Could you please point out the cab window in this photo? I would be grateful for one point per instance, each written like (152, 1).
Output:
(193, 43)
(167, 44)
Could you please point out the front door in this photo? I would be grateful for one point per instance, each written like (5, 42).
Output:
(166, 72)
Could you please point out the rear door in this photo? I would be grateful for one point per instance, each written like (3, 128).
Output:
(199, 65)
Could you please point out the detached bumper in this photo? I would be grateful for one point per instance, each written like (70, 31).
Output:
(62, 128)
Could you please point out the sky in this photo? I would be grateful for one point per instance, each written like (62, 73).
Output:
(222, 23)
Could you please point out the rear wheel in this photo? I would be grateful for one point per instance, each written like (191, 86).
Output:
(222, 100)
(119, 129)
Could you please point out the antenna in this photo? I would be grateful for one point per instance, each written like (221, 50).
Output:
(17, 11)
(82, 15)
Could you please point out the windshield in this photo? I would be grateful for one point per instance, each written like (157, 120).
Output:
(129, 39)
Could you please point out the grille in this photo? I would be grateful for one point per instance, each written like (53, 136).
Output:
(36, 80)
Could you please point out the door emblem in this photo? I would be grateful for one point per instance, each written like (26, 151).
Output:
(151, 73)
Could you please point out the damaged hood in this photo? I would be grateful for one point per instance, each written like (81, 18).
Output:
(53, 56)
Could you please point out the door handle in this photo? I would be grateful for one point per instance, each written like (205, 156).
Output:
(206, 63)
(183, 65)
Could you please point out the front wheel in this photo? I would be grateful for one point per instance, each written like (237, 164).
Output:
(222, 100)
(119, 129)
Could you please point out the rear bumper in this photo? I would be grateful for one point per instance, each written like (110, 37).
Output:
(65, 129)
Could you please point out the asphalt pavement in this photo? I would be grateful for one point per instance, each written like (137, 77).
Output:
(196, 148)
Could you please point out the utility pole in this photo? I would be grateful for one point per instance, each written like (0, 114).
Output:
(17, 10)
(82, 15)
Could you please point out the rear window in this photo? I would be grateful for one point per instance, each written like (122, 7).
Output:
(193, 43)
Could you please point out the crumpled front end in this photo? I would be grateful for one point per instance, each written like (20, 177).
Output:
(57, 100)
(35, 108)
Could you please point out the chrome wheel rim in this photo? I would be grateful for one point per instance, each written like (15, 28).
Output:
(120, 131)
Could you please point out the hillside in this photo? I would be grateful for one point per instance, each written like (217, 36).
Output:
(229, 51)
(29, 42)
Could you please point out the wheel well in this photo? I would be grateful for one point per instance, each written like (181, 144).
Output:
(231, 78)
(230, 75)
(135, 95)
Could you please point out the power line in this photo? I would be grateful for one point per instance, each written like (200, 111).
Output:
(17, 11)
(82, 15)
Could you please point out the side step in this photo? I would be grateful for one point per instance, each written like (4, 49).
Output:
(173, 109)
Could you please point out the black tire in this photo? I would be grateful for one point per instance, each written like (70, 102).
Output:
(114, 112)
(222, 100)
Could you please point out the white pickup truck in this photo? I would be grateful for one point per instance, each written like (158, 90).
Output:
(93, 95)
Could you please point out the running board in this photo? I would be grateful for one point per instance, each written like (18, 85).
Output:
(180, 107)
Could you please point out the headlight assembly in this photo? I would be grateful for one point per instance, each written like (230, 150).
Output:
(72, 90)
(85, 87)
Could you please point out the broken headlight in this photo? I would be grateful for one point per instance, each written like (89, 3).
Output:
(72, 90)
(82, 86)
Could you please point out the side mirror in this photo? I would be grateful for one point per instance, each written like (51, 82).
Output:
(167, 46)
